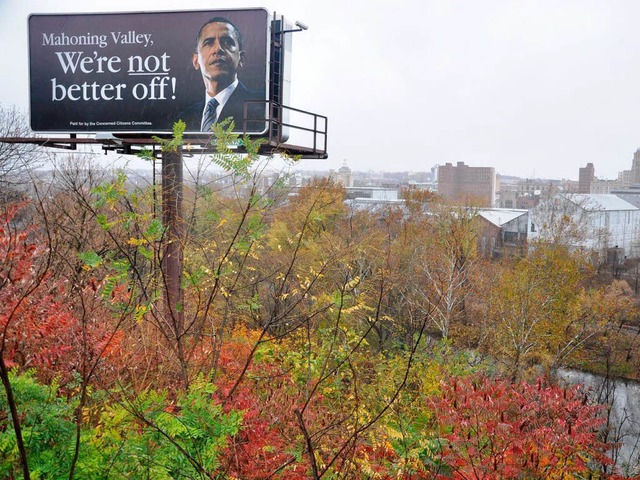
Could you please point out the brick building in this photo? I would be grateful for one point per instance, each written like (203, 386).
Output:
(463, 184)
(586, 176)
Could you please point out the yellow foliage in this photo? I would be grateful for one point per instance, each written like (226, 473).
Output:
(136, 242)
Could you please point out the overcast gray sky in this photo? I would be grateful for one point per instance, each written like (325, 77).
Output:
(530, 87)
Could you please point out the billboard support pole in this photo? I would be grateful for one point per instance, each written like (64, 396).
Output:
(172, 262)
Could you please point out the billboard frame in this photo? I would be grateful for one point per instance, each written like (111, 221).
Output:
(276, 117)
(72, 93)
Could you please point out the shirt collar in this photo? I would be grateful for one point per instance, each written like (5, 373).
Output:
(223, 96)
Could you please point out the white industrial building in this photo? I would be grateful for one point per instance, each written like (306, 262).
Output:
(598, 222)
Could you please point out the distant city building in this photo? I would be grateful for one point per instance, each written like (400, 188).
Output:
(635, 168)
(525, 193)
(372, 193)
(344, 176)
(588, 183)
(467, 185)
(586, 177)
(604, 187)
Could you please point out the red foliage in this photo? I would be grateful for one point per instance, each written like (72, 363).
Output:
(39, 327)
(494, 429)
(266, 395)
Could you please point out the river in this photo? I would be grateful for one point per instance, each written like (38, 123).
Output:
(624, 414)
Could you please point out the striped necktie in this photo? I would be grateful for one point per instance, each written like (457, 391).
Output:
(210, 116)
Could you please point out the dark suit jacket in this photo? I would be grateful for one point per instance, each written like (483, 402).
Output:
(234, 108)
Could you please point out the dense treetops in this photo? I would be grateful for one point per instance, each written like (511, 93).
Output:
(311, 341)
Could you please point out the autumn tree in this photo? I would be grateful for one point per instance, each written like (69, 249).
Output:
(533, 311)
(449, 266)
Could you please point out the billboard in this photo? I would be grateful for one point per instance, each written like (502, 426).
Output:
(140, 72)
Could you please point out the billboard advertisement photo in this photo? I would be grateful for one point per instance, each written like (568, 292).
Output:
(141, 72)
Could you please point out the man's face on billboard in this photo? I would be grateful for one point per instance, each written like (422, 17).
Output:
(219, 56)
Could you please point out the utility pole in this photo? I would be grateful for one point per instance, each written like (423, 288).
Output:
(173, 222)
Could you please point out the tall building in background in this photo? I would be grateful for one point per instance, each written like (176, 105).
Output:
(586, 176)
(344, 176)
(635, 168)
(467, 185)
(588, 183)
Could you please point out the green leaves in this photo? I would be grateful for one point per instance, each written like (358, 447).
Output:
(47, 427)
(109, 193)
(154, 231)
(176, 142)
(155, 437)
(90, 259)
(150, 436)
(226, 144)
